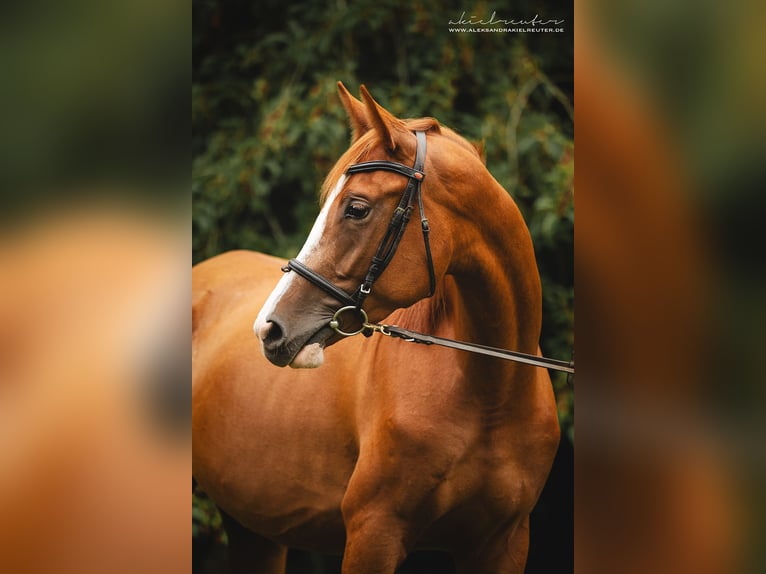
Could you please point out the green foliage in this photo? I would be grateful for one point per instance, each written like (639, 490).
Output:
(206, 520)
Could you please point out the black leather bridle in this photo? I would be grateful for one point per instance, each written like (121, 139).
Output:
(385, 252)
(396, 227)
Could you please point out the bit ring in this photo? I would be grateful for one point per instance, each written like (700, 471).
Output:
(335, 322)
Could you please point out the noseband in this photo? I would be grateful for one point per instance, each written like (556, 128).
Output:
(390, 242)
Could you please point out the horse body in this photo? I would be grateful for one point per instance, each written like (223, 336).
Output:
(245, 412)
(389, 446)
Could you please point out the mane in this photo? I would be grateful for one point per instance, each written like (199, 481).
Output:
(361, 149)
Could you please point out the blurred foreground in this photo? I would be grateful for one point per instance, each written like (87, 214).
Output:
(95, 457)
(94, 399)
(670, 280)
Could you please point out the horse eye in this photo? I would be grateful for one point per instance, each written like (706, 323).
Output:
(357, 210)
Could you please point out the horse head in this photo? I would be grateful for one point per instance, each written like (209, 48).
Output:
(359, 209)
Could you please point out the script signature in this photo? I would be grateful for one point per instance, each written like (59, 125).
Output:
(473, 20)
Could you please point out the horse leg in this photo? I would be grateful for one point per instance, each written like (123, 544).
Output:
(383, 516)
(505, 553)
(375, 533)
(374, 543)
(250, 553)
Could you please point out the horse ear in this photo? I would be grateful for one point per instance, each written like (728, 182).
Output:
(388, 127)
(356, 114)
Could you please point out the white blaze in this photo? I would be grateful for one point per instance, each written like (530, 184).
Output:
(311, 245)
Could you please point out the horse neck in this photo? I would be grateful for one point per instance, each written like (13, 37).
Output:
(492, 296)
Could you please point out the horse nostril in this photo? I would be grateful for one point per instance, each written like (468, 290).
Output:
(271, 333)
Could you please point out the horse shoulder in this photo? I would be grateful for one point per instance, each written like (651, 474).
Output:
(519, 454)
(230, 284)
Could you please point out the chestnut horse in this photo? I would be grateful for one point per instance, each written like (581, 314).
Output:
(388, 446)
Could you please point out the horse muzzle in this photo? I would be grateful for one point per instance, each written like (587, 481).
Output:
(305, 352)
